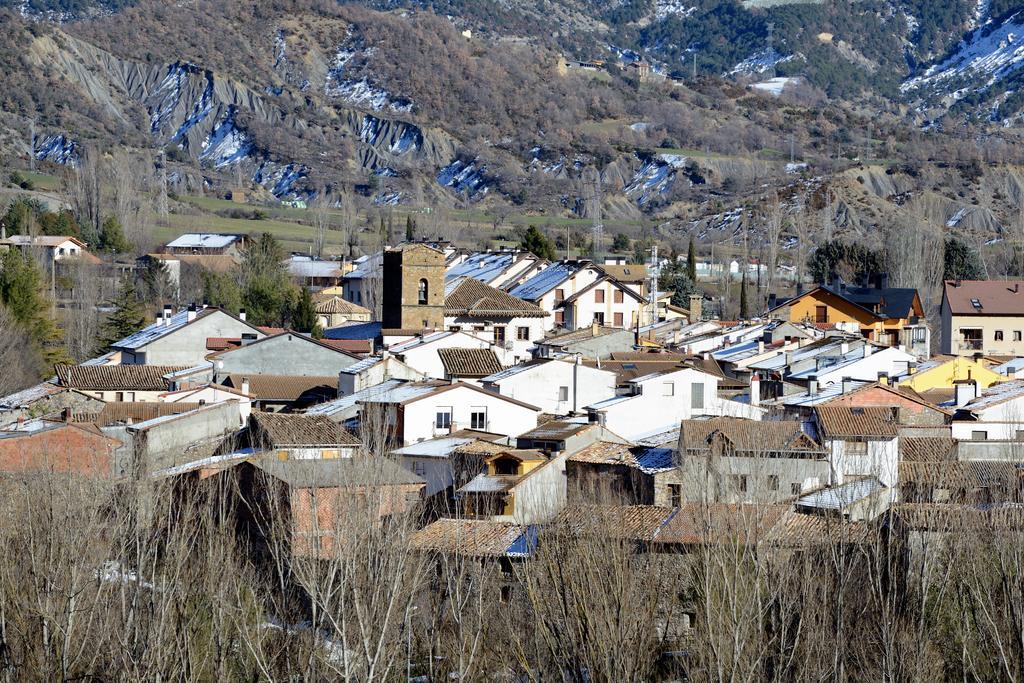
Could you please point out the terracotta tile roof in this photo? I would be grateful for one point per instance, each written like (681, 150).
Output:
(338, 306)
(926, 448)
(222, 343)
(469, 362)
(279, 430)
(957, 474)
(356, 346)
(839, 422)
(469, 297)
(799, 529)
(116, 412)
(720, 523)
(645, 459)
(582, 334)
(480, 447)
(995, 297)
(471, 537)
(648, 356)
(286, 387)
(633, 273)
(115, 377)
(624, 522)
(948, 517)
(749, 437)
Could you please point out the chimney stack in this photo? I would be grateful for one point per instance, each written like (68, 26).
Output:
(883, 378)
(594, 328)
(812, 385)
(191, 313)
(68, 415)
(847, 385)
(696, 307)
(167, 314)
(755, 390)
(241, 315)
(966, 391)
(245, 385)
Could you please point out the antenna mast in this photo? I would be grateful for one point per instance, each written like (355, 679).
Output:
(652, 285)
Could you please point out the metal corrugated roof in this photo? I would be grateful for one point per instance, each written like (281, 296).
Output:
(842, 496)
(340, 404)
(484, 267)
(546, 280)
(202, 240)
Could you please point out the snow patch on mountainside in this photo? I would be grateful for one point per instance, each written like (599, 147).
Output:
(663, 9)
(655, 177)
(464, 177)
(360, 91)
(226, 144)
(983, 58)
(760, 62)
(56, 148)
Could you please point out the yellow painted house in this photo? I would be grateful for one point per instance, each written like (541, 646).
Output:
(944, 374)
(892, 316)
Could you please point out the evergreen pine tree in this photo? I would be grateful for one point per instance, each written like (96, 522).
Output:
(691, 262)
(112, 237)
(410, 229)
(304, 316)
(538, 244)
(21, 292)
(127, 317)
(267, 289)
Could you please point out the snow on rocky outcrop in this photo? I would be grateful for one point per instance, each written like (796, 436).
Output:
(360, 92)
(775, 86)
(760, 62)
(655, 177)
(983, 58)
(56, 148)
(464, 177)
(227, 144)
(663, 9)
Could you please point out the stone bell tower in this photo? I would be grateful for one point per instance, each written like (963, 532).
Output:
(413, 288)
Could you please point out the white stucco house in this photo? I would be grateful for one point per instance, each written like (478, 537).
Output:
(556, 386)
(859, 442)
(508, 322)
(418, 411)
(556, 283)
(864, 363)
(208, 394)
(995, 414)
(661, 400)
(420, 352)
(605, 302)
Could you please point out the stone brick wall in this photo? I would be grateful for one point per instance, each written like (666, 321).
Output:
(66, 449)
(403, 270)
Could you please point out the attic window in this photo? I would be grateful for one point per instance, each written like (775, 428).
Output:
(976, 303)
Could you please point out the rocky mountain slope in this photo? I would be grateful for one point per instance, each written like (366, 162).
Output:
(461, 102)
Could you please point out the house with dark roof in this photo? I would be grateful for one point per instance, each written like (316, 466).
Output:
(284, 393)
(860, 441)
(332, 310)
(494, 315)
(734, 460)
(592, 341)
(469, 365)
(610, 473)
(893, 316)
(300, 437)
(982, 316)
(181, 338)
(125, 383)
(502, 269)
(420, 352)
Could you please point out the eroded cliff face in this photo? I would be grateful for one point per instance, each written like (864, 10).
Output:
(211, 118)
